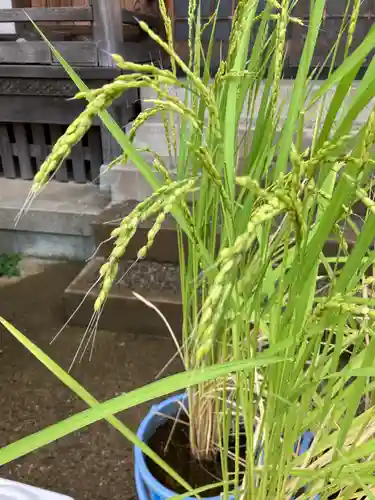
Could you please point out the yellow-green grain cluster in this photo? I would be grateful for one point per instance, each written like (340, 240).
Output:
(340, 305)
(353, 23)
(369, 137)
(279, 54)
(168, 203)
(237, 21)
(160, 202)
(193, 25)
(326, 154)
(168, 28)
(297, 170)
(228, 260)
(204, 92)
(75, 132)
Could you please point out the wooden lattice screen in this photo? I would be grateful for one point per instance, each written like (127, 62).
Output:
(24, 146)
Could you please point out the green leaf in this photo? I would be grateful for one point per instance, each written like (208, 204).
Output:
(83, 394)
(145, 394)
(352, 62)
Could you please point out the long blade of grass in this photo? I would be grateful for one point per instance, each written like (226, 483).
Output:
(136, 397)
(83, 394)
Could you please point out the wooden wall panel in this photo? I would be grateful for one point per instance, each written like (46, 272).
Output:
(24, 146)
(144, 6)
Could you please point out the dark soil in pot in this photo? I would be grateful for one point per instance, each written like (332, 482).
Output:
(171, 442)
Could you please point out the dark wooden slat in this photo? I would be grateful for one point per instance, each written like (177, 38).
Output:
(47, 72)
(79, 174)
(327, 37)
(25, 53)
(181, 9)
(333, 7)
(222, 30)
(96, 154)
(23, 151)
(39, 140)
(129, 17)
(142, 52)
(78, 53)
(35, 151)
(50, 14)
(39, 109)
(7, 159)
(227, 7)
(56, 132)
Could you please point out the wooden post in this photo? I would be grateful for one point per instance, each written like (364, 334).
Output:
(107, 33)
(107, 29)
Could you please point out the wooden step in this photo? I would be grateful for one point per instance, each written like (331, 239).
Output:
(158, 283)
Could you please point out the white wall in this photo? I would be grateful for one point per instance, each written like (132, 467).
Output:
(7, 28)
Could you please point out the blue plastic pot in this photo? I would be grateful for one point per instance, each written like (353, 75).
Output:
(149, 488)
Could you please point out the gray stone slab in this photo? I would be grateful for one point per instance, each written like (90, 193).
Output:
(61, 208)
(124, 182)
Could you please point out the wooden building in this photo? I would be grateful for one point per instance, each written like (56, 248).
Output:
(34, 89)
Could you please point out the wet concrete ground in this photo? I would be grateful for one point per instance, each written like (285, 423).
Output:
(95, 463)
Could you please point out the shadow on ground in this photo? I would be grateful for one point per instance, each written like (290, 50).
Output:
(95, 463)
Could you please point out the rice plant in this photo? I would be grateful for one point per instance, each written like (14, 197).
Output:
(261, 186)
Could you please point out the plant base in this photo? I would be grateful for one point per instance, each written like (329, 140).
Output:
(171, 442)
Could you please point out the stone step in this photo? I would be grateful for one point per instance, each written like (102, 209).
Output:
(125, 182)
(153, 135)
(157, 283)
(58, 222)
(164, 249)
